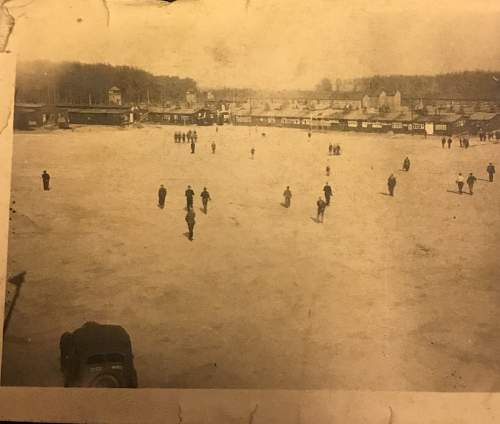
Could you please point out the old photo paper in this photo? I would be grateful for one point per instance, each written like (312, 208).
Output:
(250, 211)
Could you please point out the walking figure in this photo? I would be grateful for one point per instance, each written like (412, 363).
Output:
(162, 194)
(213, 147)
(336, 150)
(328, 193)
(327, 170)
(449, 142)
(391, 184)
(460, 182)
(443, 142)
(46, 180)
(471, 179)
(288, 196)
(330, 149)
(406, 164)
(190, 219)
(252, 152)
(205, 197)
(195, 136)
(183, 137)
(466, 142)
(321, 209)
(193, 146)
(189, 197)
(491, 171)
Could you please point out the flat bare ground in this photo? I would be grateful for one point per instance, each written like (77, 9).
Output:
(387, 294)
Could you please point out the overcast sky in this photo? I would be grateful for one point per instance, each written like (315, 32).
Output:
(264, 43)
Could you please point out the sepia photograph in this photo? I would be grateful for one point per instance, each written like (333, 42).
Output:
(254, 195)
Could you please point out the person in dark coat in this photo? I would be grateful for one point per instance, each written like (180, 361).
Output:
(288, 196)
(189, 197)
(490, 169)
(449, 142)
(193, 146)
(190, 219)
(443, 142)
(162, 194)
(183, 137)
(205, 197)
(391, 184)
(252, 152)
(321, 209)
(189, 136)
(406, 164)
(461, 141)
(328, 193)
(46, 180)
(330, 149)
(471, 179)
(195, 136)
(327, 170)
(213, 145)
(466, 142)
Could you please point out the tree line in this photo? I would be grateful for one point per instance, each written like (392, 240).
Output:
(79, 83)
(466, 85)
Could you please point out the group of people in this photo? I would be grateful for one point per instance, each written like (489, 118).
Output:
(391, 181)
(464, 142)
(334, 149)
(483, 135)
(190, 215)
(321, 204)
(182, 137)
(471, 179)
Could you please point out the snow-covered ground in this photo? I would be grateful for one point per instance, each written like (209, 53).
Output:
(387, 294)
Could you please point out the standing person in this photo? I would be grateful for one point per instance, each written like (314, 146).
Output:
(175, 137)
(193, 145)
(471, 179)
(162, 194)
(321, 209)
(449, 142)
(288, 196)
(491, 171)
(190, 219)
(195, 136)
(205, 197)
(328, 193)
(330, 149)
(460, 140)
(189, 197)
(337, 150)
(252, 152)
(460, 182)
(189, 136)
(213, 147)
(183, 137)
(327, 170)
(309, 135)
(443, 142)
(391, 184)
(406, 164)
(46, 181)
(466, 142)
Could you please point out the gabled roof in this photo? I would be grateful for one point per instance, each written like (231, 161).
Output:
(482, 116)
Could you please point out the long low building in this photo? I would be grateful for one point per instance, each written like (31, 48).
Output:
(183, 116)
(100, 115)
(331, 119)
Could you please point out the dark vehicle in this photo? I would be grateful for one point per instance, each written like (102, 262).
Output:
(97, 355)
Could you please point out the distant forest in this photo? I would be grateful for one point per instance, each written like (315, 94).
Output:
(78, 83)
(468, 85)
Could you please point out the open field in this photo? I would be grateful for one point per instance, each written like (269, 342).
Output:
(387, 294)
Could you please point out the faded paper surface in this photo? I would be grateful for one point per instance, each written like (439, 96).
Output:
(230, 42)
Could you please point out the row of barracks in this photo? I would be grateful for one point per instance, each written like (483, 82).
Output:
(357, 120)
